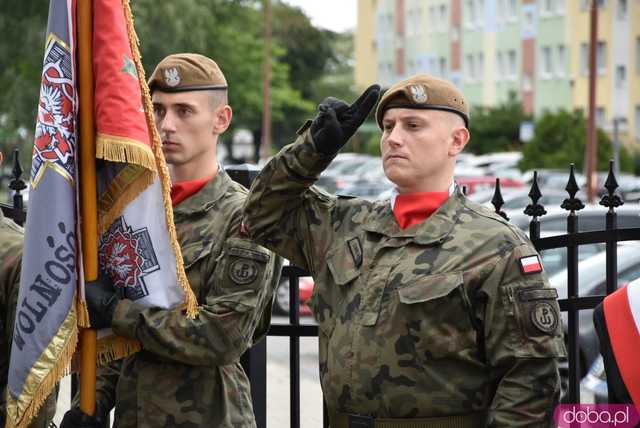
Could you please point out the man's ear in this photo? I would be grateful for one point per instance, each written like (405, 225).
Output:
(459, 139)
(222, 119)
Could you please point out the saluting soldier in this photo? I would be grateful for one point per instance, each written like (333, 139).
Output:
(11, 241)
(188, 373)
(433, 311)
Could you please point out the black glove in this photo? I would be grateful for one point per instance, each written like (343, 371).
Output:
(101, 299)
(337, 121)
(76, 418)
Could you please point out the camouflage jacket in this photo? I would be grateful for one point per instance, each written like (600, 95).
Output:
(11, 240)
(434, 320)
(188, 373)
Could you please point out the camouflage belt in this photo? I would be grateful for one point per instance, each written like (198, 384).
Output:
(346, 420)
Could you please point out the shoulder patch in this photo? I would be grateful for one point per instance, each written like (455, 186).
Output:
(243, 271)
(530, 264)
(544, 317)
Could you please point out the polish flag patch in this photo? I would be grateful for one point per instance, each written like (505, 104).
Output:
(530, 264)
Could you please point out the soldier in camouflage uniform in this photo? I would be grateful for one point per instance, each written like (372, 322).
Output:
(188, 373)
(449, 322)
(11, 240)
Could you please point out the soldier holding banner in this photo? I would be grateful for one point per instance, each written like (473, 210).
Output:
(188, 371)
(433, 311)
(11, 241)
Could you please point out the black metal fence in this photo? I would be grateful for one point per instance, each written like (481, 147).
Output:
(255, 360)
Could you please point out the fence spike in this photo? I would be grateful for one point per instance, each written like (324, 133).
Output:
(534, 209)
(17, 183)
(572, 203)
(498, 201)
(611, 200)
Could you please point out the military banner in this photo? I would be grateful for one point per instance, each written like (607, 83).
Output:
(45, 332)
(138, 244)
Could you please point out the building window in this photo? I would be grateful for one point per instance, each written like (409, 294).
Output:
(584, 58)
(480, 66)
(513, 10)
(443, 67)
(499, 65)
(432, 18)
(621, 76)
(601, 57)
(547, 62)
(560, 69)
(547, 7)
(560, 7)
(471, 68)
(471, 13)
(480, 13)
(442, 24)
(621, 9)
(513, 64)
(600, 117)
(500, 11)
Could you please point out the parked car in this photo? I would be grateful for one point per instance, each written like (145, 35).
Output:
(305, 288)
(475, 184)
(592, 281)
(593, 387)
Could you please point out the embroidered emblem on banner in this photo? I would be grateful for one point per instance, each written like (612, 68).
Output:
(243, 271)
(530, 264)
(418, 93)
(55, 135)
(545, 317)
(356, 251)
(128, 256)
(172, 77)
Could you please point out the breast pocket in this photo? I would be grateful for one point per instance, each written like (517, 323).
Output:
(331, 287)
(435, 314)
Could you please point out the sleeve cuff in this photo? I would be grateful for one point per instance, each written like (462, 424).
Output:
(309, 158)
(125, 319)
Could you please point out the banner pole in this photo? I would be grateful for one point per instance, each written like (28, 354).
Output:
(88, 198)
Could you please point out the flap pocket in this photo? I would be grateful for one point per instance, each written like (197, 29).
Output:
(195, 251)
(342, 265)
(430, 287)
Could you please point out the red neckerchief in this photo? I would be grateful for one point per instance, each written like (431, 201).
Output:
(183, 189)
(413, 208)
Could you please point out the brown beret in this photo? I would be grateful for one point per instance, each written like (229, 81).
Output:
(423, 92)
(187, 72)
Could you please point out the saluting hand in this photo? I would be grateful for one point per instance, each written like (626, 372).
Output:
(337, 121)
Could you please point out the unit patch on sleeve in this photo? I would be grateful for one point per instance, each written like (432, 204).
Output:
(530, 264)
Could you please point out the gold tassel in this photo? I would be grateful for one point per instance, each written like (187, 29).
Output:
(120, 149)
(83, 313)
(191, 303)
(47, 385)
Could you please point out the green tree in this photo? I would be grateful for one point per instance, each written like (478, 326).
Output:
(495, 129)
(560, 139)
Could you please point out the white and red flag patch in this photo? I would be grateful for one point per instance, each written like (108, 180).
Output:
(530, 264)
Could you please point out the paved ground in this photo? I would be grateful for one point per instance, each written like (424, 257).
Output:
(277, 383)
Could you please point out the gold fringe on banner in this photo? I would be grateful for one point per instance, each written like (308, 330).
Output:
(114, 347)
(130, 181)
(120, 149)
(20, 412)
(191, 303)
